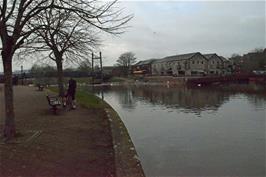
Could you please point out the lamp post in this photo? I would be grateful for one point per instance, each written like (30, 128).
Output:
(21, 75)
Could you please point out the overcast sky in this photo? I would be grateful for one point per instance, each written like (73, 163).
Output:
(163, 28)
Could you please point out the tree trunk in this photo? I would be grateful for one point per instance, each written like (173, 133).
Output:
(9, 126)
(60, 77)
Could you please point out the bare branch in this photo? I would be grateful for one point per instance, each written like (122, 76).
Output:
(12, 10)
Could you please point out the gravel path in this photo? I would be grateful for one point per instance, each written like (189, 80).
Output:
(73, 143)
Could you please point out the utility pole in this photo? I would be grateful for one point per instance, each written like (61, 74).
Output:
(101, 65)
(93, 60)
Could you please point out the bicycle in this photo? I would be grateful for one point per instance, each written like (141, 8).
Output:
(69, 103)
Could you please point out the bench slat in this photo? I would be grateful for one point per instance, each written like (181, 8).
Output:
(53, 102)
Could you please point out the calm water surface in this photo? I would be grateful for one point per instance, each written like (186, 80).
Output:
(192, 132)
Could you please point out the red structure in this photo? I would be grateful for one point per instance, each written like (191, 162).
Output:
(204, 81)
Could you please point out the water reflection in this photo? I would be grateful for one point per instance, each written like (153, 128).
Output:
(257, 102)
(187, 100)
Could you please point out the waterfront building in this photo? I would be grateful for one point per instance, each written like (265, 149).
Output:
(227, 66)
(215, 64)
(180, 65)
(191, 64)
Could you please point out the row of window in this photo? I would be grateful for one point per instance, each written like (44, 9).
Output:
(193, 62)
(198, 62)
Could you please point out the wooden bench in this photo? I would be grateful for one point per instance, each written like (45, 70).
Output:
(54, 102)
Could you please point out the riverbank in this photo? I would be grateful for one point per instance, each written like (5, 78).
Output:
(73, 143)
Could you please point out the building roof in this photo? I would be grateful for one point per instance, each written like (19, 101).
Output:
(145, 62)
(177, 57)
(210, 55)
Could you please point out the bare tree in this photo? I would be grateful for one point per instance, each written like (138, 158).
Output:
(71, 32)
(66, 37)
(85, 66)
(14, 17)
(16, 21)
(126, 60)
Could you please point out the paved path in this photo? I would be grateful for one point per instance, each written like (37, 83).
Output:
(73, 143)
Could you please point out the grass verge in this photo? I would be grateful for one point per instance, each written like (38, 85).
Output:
(86, 99)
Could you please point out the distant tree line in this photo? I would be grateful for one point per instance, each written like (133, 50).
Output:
(38, 71)
(255, 60)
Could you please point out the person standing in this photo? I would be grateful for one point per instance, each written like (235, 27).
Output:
(71, 91)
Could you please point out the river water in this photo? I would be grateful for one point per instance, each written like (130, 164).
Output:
(194, 132)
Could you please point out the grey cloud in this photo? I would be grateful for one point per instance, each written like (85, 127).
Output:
(167, 28)
(222, 27)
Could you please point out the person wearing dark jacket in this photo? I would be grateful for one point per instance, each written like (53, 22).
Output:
(71, 91)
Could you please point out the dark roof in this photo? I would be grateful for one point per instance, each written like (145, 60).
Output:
(209, 55)
(177, 57)
(224, 59)
(145, 62)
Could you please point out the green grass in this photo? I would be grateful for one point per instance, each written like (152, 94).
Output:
(53, 80)
(79, 79)
(89, 100)
(86, 99)
(116, 79)
(121, 79)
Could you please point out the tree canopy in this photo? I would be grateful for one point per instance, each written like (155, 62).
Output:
(125, 61)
